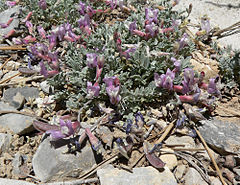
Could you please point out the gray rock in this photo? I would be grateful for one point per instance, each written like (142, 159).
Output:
(184, 140)
(4, 181)
(19, 124)
(216, 9)
(192, 177)
(27, 92)
(19, 166)
(18, 101)
(4, 142)
(46, 87)
(51, 163)
(140, 176)
(215, 181)
(5, 16)
(222, 136)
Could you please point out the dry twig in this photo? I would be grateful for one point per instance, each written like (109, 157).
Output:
(9, 78)
(12, 48)
(25, 80)
(164, 135)
(2, 66)
(99, 166)
(210, 155)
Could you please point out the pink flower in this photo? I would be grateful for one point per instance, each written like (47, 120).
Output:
(93, 90)
(11, 3)
(41, 32)
(29, 26)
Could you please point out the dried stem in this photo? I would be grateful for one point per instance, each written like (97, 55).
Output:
(100, 165)
(210, 155)
(2, 66)
(169, 128)
(9, 78)
(25, 80)
(76, 182)
(12, 48)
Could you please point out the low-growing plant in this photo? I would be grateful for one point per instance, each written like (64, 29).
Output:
(136, 57)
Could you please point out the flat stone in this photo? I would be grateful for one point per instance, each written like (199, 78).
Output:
(4, 142)
(215, 181)
(4, 181)
(184, 140)
(26, 92)
(19, 124)
(51, 163)
(222, 136)
(140, 176)
(17, 101)
(192, 177)
(215, 10)
(6, 15)
(169, 159)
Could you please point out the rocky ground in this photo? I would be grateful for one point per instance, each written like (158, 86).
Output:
(27, 157)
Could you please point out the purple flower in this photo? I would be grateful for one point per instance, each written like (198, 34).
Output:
(120, 4)
(113, 93)
(43, 70)
(205, 24)
(11, 3)
(113, 89)
(52, 41)
(29, 26)
(81, 8)
(152, 29)
(3, 25)
(183, 41)
(158, 79)
(168, 80)
(151, 15)
(139, 120)
(17, 41)
(165, 80)
(92, 60)
(132, 26)
(90, 11)
(111, 81)
(93, 140)
(41, 31)
(84, 21)
(92, 90)
(188, 81)
(66, 130)
(130, 50)
(42, 4)
(60, 32)
(181, 120)
(212, 86)
(177, 64)
(113, 4)
(197, 94)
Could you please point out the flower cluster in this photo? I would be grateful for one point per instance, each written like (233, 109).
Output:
(113, 89)
(190, 84)
(66, 129)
